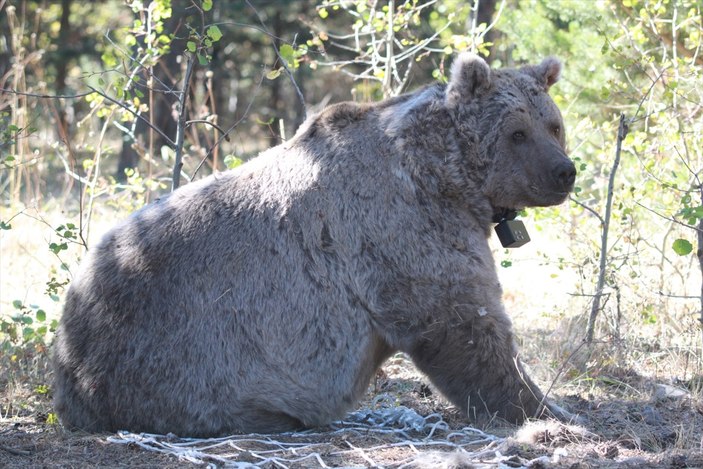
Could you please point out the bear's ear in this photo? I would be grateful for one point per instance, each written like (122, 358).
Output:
(470, 77)
(547, 73)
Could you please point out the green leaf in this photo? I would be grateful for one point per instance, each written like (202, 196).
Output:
(214, 33)
(273, 74)
(191, 46)
(232, 161)
(605, 47)
(41, 315)
(682, 247)
(109, 59)
(268, 121)
(5, 226)
(323, 13)
(17, 304)
(57, 248)
(287, 53)
(202, 59)
(207, 5)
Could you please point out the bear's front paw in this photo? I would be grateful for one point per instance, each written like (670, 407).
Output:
(553, 410)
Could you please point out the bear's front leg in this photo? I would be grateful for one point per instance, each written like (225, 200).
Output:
(472, 359)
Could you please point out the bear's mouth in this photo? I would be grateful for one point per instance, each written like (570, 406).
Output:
(547, 198)
(562, 195)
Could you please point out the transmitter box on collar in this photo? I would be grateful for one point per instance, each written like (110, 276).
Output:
(512, 233)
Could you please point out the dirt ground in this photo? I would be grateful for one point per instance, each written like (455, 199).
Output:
(632, 422)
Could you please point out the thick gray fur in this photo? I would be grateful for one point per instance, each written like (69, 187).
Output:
(265, 298)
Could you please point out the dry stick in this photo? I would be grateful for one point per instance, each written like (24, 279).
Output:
(622, 132)
(15, 451)
(561, 370)
(180, 130)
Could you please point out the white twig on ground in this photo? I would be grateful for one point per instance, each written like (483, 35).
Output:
(364, 437)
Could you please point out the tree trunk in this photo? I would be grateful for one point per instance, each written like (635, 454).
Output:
(486, 10)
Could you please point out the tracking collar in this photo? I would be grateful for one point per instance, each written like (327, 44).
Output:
(511, 232)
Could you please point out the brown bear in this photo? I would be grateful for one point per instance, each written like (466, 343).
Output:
(265, 298)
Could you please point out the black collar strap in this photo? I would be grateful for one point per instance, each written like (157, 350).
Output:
(503, 214)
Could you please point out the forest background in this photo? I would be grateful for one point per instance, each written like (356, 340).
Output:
(106, 105)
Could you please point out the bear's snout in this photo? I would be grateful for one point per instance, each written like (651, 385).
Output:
(564, 175)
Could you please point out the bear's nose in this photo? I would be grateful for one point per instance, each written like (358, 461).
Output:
(565, 175)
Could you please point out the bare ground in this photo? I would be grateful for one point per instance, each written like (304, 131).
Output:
(633, 422)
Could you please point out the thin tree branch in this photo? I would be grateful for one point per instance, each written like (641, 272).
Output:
(649, 91)
(680, 297)
(283, 62)
(595, 306)
(136, 114)
(46, 96)
(588, 209)
(180, 130)
(204, 121)
(389, 63)
(671, 219)
(231, 127)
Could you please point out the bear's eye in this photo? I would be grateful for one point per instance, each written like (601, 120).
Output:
(518, 136)
(556, 130)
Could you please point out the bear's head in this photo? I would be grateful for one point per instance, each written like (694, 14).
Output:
(519, 130)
